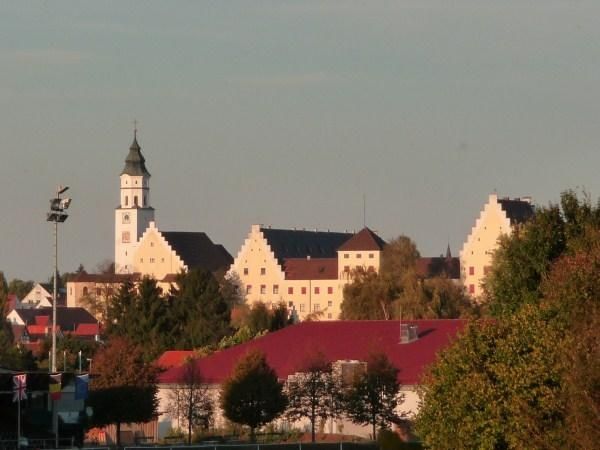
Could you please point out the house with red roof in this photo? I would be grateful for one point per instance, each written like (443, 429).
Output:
(411, 346)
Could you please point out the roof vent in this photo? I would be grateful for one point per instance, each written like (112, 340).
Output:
(408, 333)
(308, 257)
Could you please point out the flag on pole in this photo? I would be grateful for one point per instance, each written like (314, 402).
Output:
(55, 386)
(81, 387)
(19, 387)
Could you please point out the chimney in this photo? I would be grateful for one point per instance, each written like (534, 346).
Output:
(408, 333)
(526, 199)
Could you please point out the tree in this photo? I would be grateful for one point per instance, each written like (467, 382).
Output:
(252, 395)
(199, 312)
(123, 386)
(374, 396)
(368, 297)
(20, 287)
(497, 386)
(190, 400)
(121, 310)
(311, 391)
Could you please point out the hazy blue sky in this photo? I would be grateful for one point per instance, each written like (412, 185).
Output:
(286, 112)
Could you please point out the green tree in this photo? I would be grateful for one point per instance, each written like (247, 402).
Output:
(190, 401)
(199, 313)
(374, 396)
(121, 310)
(311, 392)
(20, 287)
(123, 386)
(252, 395)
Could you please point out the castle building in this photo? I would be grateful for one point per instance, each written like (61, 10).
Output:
(307, 270)
(498, 217)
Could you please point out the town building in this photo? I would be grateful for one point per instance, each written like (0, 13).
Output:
(410, 346)
(306, 270)
(498, 217)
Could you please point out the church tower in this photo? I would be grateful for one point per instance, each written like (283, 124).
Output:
(134, 213)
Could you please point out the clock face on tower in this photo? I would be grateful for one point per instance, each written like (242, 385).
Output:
(125, 217)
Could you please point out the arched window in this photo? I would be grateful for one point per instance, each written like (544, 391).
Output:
(126, 201)
(135, 200)
(85, 290)
(144, 204)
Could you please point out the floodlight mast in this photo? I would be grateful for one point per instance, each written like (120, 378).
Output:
(57, 215)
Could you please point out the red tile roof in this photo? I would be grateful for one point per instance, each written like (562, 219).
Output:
(365, 239)
(311, 269)
(173, 358)
(340, 340)
(87, 329)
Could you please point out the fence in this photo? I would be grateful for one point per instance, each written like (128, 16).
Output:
(294, 446)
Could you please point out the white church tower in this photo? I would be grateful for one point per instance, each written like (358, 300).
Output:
(134, 213)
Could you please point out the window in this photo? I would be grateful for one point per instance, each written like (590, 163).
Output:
(162, 259)
(141, 260)
(263, 288)
(126, 201)
(290, 291)
(329, 304)
(471, 289)
(359, 255)
(346, 256)
(303, 291)
(85, 290)
(486, 270)
(70, 291)
(151, 244)
(330, 290)
(275, 289)
(471, 270)
(245, 271)
(371, 269)
(135, 200)
(329, 315)
(317, 290)
(144, 201)
(346, 268)
(125, 237)
(371, 256)
(316, 307)
(126, 218)
(152, 260)
(263, 271)
(248, 289)
(291, 305)
(301, 307)
(98, 292)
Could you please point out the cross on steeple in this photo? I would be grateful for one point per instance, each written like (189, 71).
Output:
(135, 122)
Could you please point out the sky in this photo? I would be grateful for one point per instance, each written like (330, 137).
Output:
(289, 114)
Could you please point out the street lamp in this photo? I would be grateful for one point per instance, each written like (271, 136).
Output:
(57, 215)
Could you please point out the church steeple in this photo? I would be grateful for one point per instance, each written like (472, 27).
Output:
(135, 164)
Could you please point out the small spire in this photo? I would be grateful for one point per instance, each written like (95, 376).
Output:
(448, 253)
(135, 129)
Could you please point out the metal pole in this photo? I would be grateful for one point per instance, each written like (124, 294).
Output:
(54, 297)
(19, 420)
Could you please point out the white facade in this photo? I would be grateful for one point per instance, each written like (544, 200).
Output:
(134, 213)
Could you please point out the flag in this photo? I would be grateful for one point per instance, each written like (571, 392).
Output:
(19, 387)
(55, 386)
(81, 387)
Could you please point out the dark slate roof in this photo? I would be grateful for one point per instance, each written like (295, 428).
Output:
(197, 250)
(66, 318)
(440, 266)
(365, 239)
(135, 164)
(337, 340)
(301, 243)
(517, 210)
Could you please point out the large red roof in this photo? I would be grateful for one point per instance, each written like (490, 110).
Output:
(286, 349)
(173, 358)
(311, 269)
(365, 239)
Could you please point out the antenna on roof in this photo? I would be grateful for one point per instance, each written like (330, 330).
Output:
(364, 210)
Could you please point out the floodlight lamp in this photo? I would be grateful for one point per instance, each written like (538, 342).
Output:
(55, 204)
(62, 190)
(64, 203)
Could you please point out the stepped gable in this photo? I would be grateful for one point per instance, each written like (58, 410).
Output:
(286, 349)
(518, 211)
(290, 244)
(365, 239)
(197, 250)
(438, 266)
(311, 269)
